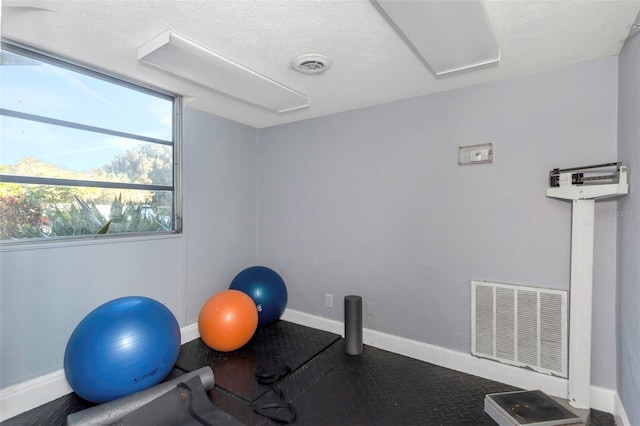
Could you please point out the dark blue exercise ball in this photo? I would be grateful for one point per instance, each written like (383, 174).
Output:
(123, 346)
(266, 288)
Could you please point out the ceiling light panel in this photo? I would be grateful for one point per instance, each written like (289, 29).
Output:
(177, 55)
(450, 36)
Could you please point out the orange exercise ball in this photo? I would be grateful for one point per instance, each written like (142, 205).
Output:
(228, 320)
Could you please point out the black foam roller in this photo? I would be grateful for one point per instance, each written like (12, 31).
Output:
(353, 325)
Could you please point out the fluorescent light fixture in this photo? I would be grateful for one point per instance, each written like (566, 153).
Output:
(177, 55)
(450, 36)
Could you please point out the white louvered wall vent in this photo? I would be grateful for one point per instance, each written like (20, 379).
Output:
(522, 326)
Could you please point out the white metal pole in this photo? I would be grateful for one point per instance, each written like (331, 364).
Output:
(579, 390)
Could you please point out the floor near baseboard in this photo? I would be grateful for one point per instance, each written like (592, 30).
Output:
(325, 385)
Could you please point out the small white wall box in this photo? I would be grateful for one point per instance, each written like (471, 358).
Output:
(475, 154)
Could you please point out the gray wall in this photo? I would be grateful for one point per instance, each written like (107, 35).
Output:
(220, 198)
(45, 290)
(372, 202)
(629, 232)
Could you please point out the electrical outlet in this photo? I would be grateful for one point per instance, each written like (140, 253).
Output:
(328, 300)
(369, 308)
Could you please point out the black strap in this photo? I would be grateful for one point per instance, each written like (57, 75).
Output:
(272, 376)
(194, 415)
(281, 412)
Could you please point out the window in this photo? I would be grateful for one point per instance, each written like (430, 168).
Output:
(83, 153)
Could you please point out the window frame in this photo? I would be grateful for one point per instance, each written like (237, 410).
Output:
(109, 77)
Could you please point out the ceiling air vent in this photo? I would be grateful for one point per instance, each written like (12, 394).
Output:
(311, 64)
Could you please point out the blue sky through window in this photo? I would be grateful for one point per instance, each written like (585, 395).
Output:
(38, 88)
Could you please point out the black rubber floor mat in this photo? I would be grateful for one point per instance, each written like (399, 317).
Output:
(375, 388)
(282, 343)
(238, 408)
(382, 388)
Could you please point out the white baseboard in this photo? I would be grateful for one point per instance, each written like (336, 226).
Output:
(25, 396)
(314, 321)
(601, 399)
(189, 333)
(619, 413)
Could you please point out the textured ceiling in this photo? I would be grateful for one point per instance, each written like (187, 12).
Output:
(371, 63)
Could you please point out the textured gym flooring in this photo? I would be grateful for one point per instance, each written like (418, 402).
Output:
(325, 386)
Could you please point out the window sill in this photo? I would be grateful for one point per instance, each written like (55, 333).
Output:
(41, 244)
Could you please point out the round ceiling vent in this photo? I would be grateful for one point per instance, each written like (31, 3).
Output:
(311, 64)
